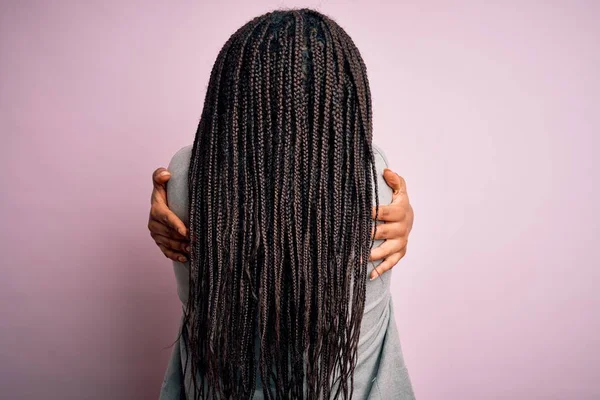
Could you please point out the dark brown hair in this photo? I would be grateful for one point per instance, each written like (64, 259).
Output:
(281, 181)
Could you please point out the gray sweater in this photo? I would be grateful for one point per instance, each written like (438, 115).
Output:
(380, 371)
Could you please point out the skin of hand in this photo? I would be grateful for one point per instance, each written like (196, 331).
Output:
(398, 217)
(172, 236)
(168, 231)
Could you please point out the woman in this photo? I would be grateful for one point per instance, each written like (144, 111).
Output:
(277, 192)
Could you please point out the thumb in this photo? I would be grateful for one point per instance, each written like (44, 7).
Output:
(394, 181)
(160, 177)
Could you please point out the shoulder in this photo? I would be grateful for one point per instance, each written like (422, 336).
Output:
(380, 157)
(181, 159)
(177, 185)
(381, 163)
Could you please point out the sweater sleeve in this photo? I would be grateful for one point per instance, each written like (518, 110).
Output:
(177, 200)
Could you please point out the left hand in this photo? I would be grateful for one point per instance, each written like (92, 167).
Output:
(399, 217)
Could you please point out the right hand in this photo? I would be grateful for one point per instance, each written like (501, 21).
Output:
(168, 231)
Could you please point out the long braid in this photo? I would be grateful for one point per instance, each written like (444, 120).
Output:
(324, 274)
(279, 226)
(281, 186)
(232, 117)
(315, 173)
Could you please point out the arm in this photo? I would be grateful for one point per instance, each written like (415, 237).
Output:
(171, 234)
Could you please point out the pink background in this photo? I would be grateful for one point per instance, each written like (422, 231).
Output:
(491, 112)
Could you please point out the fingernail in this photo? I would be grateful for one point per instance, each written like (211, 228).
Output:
(181, 232)
(187, 248)
(163, 173)
(182, 259)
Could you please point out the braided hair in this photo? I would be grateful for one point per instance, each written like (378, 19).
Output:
(281, 185)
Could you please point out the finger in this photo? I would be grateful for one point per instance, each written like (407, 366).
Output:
(159, 191)
(389, 230)
(182, 246)
(160, 176)
(387, 264)
(173, 255)
(159, 228)
(391, 212)
(161, 213)
(387, 248)
(395, 181)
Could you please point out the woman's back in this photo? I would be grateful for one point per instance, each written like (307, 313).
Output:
(380, 372)
(282, 176)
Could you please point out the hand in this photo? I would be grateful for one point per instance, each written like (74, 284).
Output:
(167, 230)
(399, 217)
